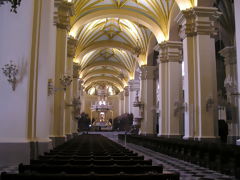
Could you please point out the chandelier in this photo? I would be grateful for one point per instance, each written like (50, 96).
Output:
(15, 4)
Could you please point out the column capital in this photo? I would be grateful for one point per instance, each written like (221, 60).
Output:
(126, 91)
(148, 72)
(198, 21)
(121, 95)
(71, 47)
(229, 54)
(76, 68)
(62, 14)
(134, 85)
(169, 51)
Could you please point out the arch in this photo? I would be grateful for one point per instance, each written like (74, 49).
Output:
(104, 78)
(150, 50)
(104, 63)
(120, 13)
(102, 45)
(173, 26)
(111, 83)
(100, 71)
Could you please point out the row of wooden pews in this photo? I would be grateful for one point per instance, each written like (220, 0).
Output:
(224, 158)
(90, 156)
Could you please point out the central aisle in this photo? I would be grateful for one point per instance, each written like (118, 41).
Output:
(187, 170)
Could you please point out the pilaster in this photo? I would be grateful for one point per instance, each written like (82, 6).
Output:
(126, 99)
(148, 95)
(170, 83)
(62, 21)
(237, 27)
(200, 88)
(134, 86)
(121, 103)
(69, 117)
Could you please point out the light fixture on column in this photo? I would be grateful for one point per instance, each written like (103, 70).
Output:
(10, 71)
(15, 4)
(180, 107)
(137, 103)
(65, 81)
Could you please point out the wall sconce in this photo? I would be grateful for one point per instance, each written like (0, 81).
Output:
(14, 3)
(209, 104)
(11, 71)
(65, 81)
(138, 103)
(180, 107)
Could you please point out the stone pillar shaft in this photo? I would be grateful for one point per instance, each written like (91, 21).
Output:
(237, 26)
(200, 88)
(62, 21)
(170, 83)
(69, 119)
(126, 100)
(148, 95)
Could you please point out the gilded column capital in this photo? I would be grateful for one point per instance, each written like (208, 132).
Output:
(229, 54)
(148, 72)
(198, 21)
(76, 69)
(62, 14)
(169, 51)
(71, 47)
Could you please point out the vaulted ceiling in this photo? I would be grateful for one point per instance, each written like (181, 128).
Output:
(114, 37)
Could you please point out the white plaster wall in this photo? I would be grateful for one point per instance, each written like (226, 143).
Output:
(15, 45)
(47, 49)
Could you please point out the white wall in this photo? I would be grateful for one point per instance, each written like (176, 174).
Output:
(15, 43)
(46, 67)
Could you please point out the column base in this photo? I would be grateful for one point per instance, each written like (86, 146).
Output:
(39, 146)
(56, 141)
(13, 152)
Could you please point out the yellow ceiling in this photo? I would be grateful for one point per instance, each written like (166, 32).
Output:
(114, 35)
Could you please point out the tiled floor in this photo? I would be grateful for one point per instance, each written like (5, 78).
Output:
(187, 170)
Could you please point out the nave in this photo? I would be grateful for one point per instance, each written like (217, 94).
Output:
(95, 145)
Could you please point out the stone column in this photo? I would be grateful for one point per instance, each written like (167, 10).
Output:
(230, 83)
(62, 20)
(71, 47)
(76, 97)
(200, 88)
(148, 95)
(170, 82)
(121, 102)
(237, 26)
(134, 86)
(126, 100)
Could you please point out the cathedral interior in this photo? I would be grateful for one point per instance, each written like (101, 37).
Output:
(85, 80)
